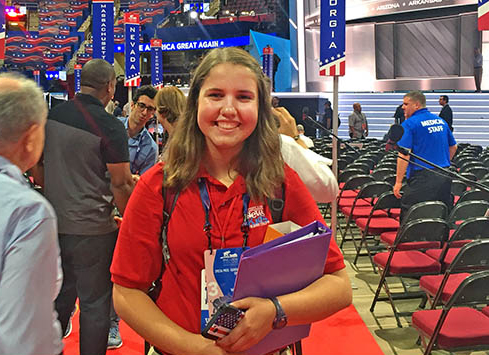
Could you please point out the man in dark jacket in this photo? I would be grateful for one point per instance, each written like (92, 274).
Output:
(446, 111)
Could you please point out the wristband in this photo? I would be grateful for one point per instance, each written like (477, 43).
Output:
(296, 137)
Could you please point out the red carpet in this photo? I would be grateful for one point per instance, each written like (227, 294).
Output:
(342, 334)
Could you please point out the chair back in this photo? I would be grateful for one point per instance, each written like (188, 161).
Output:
(356, 181)
(387, 201)
(473, 290)
(391, 179)
(473, 256)
(423, 230)
(458, 187)
(464, 210)
(382, 173)
(348, 173)
(472, 228)
(365, 167)
(428, 209)
(365, 160)
(374, 189)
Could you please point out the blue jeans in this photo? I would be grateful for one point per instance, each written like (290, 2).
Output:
(86, 261)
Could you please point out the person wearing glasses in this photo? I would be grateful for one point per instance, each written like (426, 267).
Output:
(85, 173)
(143, 150)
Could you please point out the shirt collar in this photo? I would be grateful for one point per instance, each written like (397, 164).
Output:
(237, 188)
(89, 98)
(11, 170)
(125, 121)
(421, 110)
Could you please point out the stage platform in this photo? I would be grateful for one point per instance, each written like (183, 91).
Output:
(470, 111)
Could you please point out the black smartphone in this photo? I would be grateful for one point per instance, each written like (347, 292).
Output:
(222, 322)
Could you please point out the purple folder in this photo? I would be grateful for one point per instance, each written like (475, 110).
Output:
(275, 268)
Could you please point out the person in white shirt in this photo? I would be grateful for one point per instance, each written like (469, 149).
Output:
(308, 141)
(312, 168)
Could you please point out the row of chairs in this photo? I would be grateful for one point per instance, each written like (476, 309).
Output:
(440, 249)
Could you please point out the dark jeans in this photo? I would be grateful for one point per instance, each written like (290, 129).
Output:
(424, 185)
(86, 261)
(478, 78)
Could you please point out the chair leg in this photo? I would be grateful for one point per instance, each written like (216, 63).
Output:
(377, 292)
(344, 232)
(298, 348)
(370, 256)
(359, 249)
(393, 306)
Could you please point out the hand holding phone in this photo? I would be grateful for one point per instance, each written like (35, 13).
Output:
(222, 322)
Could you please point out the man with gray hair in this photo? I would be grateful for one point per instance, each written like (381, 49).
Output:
(86, 170)
(429, 137)
(357, 122)
(30, 273)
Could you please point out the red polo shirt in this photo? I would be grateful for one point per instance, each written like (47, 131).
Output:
(138, 257)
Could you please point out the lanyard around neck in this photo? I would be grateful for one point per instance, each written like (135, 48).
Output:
(206, 204)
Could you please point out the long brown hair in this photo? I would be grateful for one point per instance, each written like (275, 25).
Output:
(260, 160)
(170, 102)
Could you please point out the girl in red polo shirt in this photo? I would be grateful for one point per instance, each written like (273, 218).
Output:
(226, 143)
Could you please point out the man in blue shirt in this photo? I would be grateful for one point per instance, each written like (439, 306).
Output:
(30, 268)
(429, 137)
(143, 150)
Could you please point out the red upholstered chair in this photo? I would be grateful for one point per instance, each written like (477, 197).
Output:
(472, 257)
(471, 229)
(457, 326)
(369, 192)
(409, 263)
(463, 210)
(373, 226)
(429, 209)
(351, 188)
(346, 174)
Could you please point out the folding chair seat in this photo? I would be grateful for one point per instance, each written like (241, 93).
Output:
(409, 263)
(472, 257)
(428, 209)
(368, 191)
(374, 226)
(457, 325)
(475, 228)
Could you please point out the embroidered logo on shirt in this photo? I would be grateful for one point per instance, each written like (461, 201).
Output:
(256, 217)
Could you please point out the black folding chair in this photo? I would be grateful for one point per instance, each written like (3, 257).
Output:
(409, 263)
(459, 325)
(472, 257)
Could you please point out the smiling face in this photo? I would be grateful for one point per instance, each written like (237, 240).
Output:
(228, 108)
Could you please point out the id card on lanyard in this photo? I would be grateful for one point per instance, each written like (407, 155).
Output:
(221, 265)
